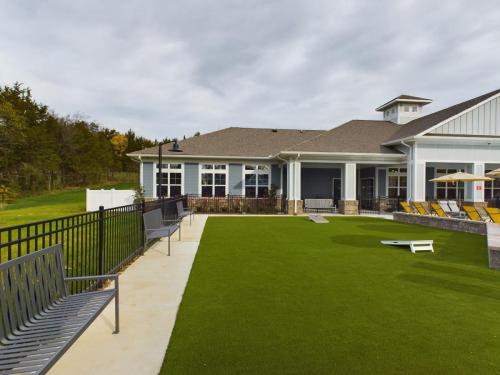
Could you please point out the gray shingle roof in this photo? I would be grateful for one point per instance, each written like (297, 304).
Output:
(404, 98)
(234, 141)
(424, 123)
(356, 136)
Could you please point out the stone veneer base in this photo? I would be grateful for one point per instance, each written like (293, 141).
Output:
(458, 225)
(348, 207)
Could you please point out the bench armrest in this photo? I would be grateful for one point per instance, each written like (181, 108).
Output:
(113, 277)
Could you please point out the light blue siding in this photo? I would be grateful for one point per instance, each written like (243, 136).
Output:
(381, 181)
(147, 179)
(235, 179)
(191, 179)
(429, 186)
(276, 176)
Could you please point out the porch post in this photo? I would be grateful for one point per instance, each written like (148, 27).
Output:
(348, 204)
(474, 191)
(295, 206)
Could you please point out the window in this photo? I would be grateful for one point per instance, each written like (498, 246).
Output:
(170, 182)
(448, 190)
(213, 180)
(491, 189)
(414, 108)
(396, 183)
(406, 108)
(257, 180)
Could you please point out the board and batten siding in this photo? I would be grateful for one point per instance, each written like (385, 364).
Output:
(235, 179)
(191, 178)
(276, 176)
(148, 179)
(482, 120)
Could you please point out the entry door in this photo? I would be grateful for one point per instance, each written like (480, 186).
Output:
(336, 190)
(367, 193)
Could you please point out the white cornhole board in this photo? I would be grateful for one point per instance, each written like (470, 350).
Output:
(418, 245)
(318, 219)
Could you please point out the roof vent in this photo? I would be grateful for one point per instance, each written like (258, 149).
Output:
(176, 147)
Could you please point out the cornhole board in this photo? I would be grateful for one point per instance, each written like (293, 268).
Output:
(417, 245)
(318, 219)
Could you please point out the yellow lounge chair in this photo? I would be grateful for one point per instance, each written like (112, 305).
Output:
(438, 210)
(494, 214)
(472, 213)
(406, 207)
(420, 208)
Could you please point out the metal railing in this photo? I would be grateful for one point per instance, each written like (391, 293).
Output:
(94, 243)
(379, 205)
(237, 204)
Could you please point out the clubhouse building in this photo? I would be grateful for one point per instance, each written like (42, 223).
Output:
(355, 164)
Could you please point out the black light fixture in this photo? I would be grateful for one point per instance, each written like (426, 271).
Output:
(176, 147)
(159, 191)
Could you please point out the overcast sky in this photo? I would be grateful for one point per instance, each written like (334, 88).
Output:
(171, 68)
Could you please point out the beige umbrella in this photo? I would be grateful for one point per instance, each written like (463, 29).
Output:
(495, 173)
(460, 177)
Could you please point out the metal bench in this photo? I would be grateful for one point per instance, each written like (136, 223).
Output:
(319, 205)
(182, 212)
(39, 319)
(154, 227)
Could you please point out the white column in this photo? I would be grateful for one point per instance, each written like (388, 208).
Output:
(418, 182)
(349, 182)
(290, 180)
(474, 191)
(298, 181)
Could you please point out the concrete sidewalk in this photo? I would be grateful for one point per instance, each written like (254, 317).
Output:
(151, 290)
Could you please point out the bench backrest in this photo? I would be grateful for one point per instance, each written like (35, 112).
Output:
(180, 207)
(318, 203)
(28, 285)
(153, 219)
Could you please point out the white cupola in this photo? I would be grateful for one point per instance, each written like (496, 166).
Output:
(403, 109)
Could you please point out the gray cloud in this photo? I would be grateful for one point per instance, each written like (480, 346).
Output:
(174, 68)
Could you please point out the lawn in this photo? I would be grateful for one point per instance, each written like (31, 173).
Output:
(286, 296)
(49, 205)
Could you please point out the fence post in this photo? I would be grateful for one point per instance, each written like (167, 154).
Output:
(101, 242)
(143, 233)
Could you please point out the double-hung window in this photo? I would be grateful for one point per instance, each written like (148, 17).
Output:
(257, 180)
(213, 180)
(170, 181)
(396, 186)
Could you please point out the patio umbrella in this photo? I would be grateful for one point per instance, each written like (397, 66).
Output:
(495, 173)
(460, 177)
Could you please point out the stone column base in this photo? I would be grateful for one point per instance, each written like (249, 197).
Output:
(348, 207)
(291, 207)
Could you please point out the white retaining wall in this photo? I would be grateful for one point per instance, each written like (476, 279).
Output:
(108, 198)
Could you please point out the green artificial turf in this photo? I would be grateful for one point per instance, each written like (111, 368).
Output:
(287, 296)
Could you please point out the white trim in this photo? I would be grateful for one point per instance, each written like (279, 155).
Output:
(422, 133)
(208, 157)
(396, 100)
(458, 115)
(256, 172)
(213, 172)
(168, 170)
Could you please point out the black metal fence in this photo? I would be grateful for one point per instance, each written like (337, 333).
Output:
(237, 204)
(378, 205)
(94, 243)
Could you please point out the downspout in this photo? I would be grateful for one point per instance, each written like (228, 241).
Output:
(411, 174)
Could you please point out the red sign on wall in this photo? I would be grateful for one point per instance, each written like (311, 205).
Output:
(479, 187)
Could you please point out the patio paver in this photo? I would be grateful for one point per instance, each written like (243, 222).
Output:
(151, 290)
